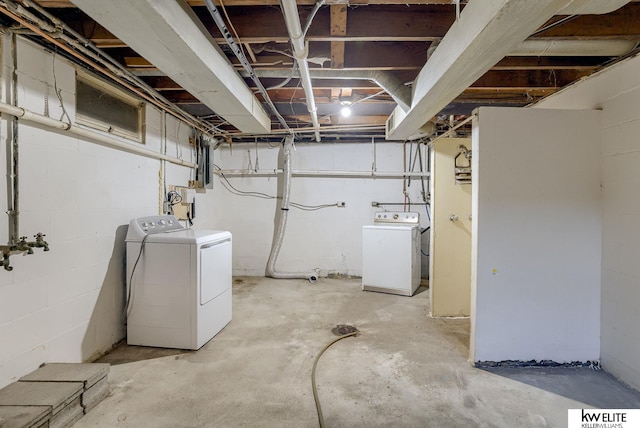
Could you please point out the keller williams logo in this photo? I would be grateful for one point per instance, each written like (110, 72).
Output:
(603, 416)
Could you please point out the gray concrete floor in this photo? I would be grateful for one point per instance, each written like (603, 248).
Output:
(404, 370)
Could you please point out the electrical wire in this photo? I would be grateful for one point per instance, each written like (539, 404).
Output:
(554, 24)
(307, 25)
(233, 190)
(174, 198)
(423, 231)
(133, 271)
(313, 375)
(59, 91)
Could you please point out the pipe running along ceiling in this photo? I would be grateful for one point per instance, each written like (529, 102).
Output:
(398, 64)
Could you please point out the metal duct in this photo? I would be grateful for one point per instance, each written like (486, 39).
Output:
(300, 53)
(400, 93)
(237, 51)
(170, 36)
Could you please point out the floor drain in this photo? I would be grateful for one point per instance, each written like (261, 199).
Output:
(342, 329)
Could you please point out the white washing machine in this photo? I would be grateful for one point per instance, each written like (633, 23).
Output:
(178, 283)
(391, 253)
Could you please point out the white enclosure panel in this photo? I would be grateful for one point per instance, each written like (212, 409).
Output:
(536, 239)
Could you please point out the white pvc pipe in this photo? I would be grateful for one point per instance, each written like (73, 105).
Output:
(93, 137)
(320, 173)
(300, 53)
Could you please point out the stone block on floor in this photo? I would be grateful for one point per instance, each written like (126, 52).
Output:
(63, 398)
(25, 416)
(92, 375)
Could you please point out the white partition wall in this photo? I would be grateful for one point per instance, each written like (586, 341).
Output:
(616, 91)
(536, 235)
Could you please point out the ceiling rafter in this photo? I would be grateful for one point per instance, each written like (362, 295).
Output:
(392, 36)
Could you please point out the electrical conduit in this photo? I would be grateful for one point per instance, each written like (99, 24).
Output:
(282, 223)
(300, 53)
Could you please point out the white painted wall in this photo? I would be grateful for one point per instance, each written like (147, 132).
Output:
(329, 239)
(65, 305)
(617, 92)
(536, 235)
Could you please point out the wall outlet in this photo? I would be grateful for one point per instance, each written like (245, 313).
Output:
(341, 204)
(188, 195)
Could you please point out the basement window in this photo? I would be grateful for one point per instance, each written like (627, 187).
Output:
(102, 106)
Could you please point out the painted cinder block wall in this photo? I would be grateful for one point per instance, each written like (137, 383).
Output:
(329, 239)
(616, 91)
(65, 305)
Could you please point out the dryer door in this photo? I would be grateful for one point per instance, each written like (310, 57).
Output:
(215, 269)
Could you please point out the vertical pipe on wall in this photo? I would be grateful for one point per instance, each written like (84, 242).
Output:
(301, 53)
(282, 221)
(9, 83)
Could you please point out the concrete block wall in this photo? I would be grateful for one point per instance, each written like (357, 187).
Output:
(328, 239)
(65, 305)
(616, 91)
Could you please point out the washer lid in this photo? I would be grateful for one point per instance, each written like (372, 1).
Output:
(187, 236)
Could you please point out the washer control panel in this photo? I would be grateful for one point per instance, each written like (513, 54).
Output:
(399, 217)
(157, 224)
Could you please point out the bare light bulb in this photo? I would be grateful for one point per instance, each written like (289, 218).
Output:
(345, 112)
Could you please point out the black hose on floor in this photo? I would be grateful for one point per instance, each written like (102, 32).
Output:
(313, 375)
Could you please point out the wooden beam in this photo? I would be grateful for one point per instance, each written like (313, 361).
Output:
(163, 83)
(388, 22)
(338, 28)
(69, 4)
(622, 23)
(137, 62)
(549, 63)
(528, 78)
(336, 119)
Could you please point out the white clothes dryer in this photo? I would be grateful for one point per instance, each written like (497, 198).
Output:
(178, 283)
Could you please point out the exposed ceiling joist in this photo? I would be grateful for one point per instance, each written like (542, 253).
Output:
(487, 31)
(169, 35)
(359, 45)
